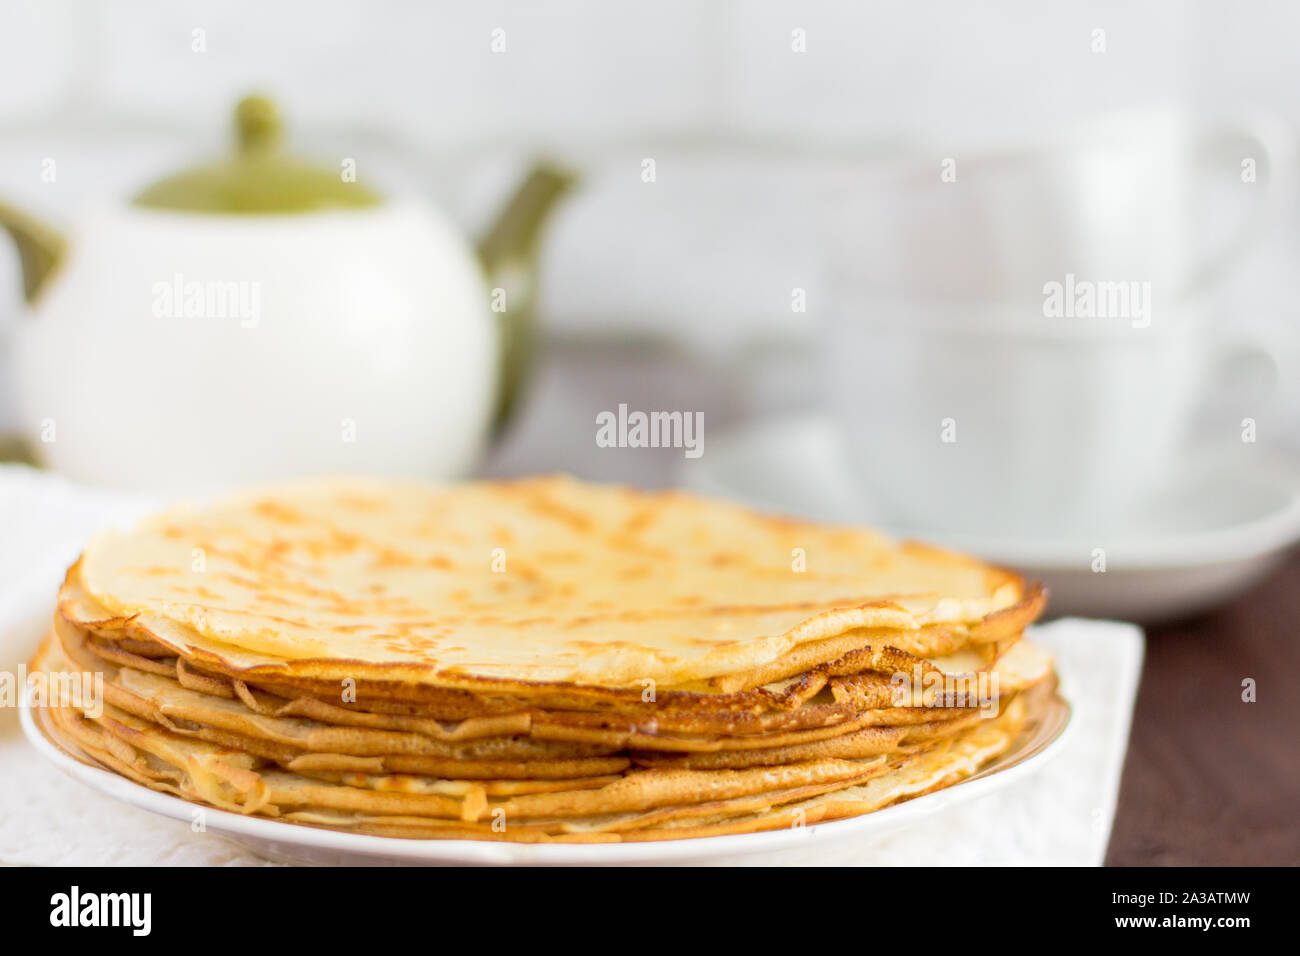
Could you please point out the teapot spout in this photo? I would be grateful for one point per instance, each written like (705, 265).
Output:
(40, 248)
(511, 242)
(509, 255)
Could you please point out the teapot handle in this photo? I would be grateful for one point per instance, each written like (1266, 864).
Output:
(40, 250)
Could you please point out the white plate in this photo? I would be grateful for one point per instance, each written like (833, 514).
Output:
(1217, 529)
(1042, 738)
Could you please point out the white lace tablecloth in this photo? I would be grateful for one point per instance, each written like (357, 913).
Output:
(1061, 815)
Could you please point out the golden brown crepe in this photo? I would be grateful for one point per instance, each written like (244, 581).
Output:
(535, 660)
(545, 579)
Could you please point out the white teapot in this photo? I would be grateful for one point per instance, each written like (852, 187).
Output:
(261, 318)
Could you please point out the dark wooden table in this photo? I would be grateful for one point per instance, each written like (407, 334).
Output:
(1209, 779)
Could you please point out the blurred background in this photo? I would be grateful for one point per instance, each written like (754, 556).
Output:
(782, 212)
(116, 88)
(1014, 277)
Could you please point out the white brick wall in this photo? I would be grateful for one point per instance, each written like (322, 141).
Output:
(115, 90)
(578, 70)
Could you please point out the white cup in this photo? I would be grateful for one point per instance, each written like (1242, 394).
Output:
(1023, 350)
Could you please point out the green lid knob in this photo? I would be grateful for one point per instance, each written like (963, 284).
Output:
(257, 124)
(258, 178)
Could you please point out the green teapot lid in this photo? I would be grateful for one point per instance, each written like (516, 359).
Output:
(257, 178)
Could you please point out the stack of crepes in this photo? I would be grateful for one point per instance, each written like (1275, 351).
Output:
(536, 660)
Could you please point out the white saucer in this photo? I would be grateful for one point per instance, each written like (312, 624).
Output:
(1215, 531)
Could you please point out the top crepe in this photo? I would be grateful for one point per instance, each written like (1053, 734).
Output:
(545, 579)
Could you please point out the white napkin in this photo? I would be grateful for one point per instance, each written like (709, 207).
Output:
(1061, 815)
